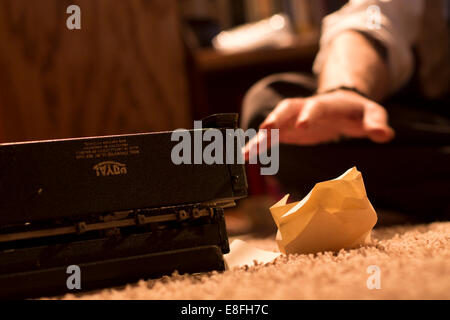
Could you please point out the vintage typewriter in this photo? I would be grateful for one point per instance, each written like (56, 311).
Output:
(117, 207)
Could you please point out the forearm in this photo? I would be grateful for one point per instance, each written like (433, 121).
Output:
(353, 61)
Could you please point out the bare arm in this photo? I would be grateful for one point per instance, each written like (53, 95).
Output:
(347, 58)
(354, 61)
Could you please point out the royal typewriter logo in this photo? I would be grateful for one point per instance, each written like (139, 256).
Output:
(110, 168)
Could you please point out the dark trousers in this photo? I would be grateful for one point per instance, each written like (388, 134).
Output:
(411, 174)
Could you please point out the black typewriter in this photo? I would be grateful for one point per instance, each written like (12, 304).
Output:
(116, 207)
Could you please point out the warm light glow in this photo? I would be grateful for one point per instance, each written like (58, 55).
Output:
(277, 22)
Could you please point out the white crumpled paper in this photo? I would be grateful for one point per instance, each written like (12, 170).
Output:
(335, 215)
(241, 253)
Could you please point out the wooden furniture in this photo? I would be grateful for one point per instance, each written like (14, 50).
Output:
(123, 72)
(210, 60)
(218, 81)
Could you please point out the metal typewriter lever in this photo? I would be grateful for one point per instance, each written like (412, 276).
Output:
(120, 220)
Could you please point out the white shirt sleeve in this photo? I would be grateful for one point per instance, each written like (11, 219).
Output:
(395, 23)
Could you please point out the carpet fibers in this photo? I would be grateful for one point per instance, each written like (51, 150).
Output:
(414, 263)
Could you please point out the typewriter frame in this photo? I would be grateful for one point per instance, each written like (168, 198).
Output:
(146, 237)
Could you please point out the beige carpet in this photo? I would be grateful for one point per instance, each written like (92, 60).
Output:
(414, 263)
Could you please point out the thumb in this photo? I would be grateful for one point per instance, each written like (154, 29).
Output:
(376, 125)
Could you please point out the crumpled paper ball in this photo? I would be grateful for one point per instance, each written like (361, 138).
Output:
(336, 214)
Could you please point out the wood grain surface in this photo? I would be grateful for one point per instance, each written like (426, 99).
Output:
(123, 72)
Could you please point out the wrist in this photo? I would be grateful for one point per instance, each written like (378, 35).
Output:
(345, 88)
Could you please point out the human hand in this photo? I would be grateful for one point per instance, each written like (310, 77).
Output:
(324, 117)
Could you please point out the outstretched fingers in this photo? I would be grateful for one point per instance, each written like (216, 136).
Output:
(310, 113)
(281, 117)
(285, 112)
(258, 144)
(375, 122)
